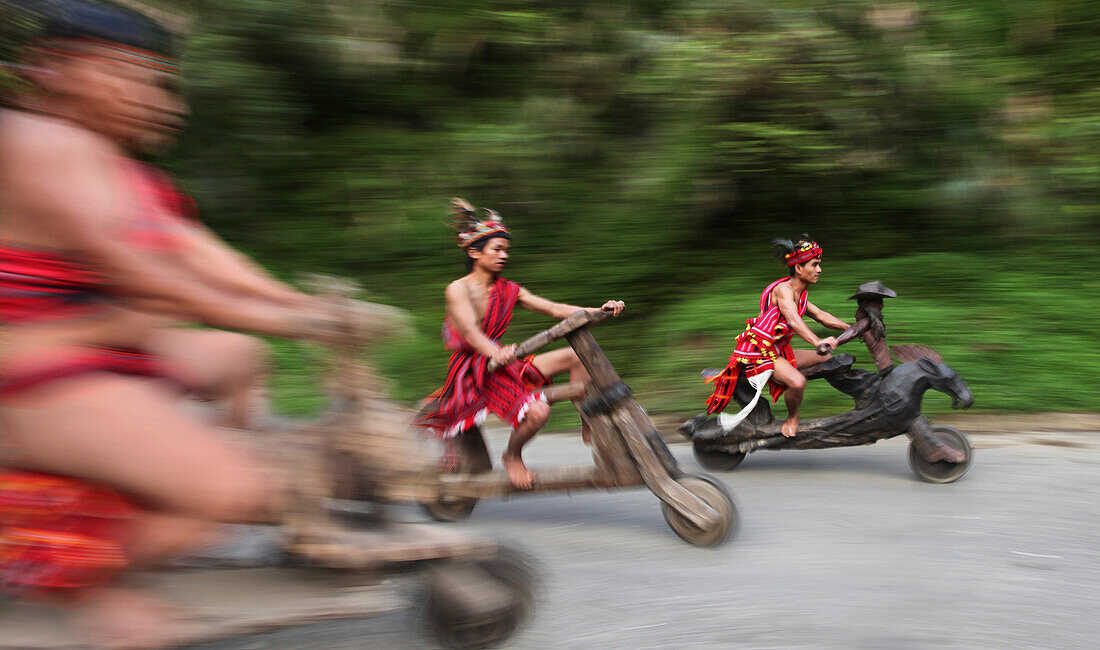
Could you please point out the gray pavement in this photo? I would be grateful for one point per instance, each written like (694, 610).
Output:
(840, 548)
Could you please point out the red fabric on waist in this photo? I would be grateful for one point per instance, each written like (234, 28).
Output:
(87, 360)
(470, 391)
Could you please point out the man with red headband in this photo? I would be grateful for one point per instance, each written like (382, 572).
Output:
(479, 309)
(763, 351)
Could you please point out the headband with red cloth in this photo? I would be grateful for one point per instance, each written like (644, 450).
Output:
(84, 46)
(802, 254)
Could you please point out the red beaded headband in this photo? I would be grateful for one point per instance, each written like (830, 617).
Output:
(116, 51)
(804, 253)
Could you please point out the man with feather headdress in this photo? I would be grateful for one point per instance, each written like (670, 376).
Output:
(479, 309)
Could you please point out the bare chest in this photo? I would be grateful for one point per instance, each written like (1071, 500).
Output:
(479, 300)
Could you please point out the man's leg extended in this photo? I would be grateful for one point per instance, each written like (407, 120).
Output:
(789, 376)
(218, 365)
(549, 364)
(537, 414)
(807, 358)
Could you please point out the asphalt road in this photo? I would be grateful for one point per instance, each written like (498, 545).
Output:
(840, 548)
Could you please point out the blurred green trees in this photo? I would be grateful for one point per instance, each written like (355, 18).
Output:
(649, 149)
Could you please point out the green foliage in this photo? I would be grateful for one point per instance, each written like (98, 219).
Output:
(649, 149)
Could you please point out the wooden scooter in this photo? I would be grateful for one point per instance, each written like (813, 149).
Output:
(887, 404)
(626, 449)
(477, 592)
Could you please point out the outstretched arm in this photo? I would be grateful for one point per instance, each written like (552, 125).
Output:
(78, 202)
(825, 318)
(214, 262)
(785, 299)
(559, 310)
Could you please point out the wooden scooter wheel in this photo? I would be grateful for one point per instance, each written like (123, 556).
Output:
(942, 471)
(458, 627)
(448, 509)
(716, 460)
(473, 458)
(714, 494)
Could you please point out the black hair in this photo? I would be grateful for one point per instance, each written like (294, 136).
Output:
(784, 247)
(480, 244)
(100, 20)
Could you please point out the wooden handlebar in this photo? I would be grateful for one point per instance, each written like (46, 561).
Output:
(847, 335)
(575, 321)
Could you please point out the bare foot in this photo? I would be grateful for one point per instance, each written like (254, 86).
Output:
(518, 473)
(790, 427)
(128, 618)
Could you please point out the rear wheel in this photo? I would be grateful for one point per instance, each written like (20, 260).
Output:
(447, 508)
(716, 460)
(942, 471)
(470, 456)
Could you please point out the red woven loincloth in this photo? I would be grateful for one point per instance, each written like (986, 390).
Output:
(471, 391)
(766, 338)
(59, 533)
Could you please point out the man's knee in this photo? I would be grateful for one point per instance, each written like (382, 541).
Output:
(538, 413)
(797, 383)
(242, 499)
(574, 360)
(249, 357)
(233, 492)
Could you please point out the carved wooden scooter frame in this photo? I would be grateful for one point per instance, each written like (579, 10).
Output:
(626, 449)
(887, 404)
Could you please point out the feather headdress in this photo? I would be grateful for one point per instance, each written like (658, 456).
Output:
(470, 228)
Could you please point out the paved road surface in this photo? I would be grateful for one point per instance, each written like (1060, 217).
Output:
(839, 548)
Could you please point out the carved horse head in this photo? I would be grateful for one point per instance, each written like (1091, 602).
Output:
(946, 380)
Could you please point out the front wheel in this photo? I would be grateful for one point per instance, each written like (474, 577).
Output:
(942, 471)
(465, 624)
(716, 460)
(714, 494)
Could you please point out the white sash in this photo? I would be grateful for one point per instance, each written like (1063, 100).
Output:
(729, 422)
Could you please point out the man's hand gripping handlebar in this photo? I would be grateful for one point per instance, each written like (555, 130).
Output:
(343, 321)
(830, 344)
(577, 320)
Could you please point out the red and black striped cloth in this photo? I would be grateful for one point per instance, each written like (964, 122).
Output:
(470, 391)
(766, 338)
(161, 209)
(43, 286)
(59, 534)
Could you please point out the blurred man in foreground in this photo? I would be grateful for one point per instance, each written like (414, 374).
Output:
(83, 283)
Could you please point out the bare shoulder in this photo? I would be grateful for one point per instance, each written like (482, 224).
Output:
(783, 290)
(457, 290)
(48, 140)
(53, 174)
